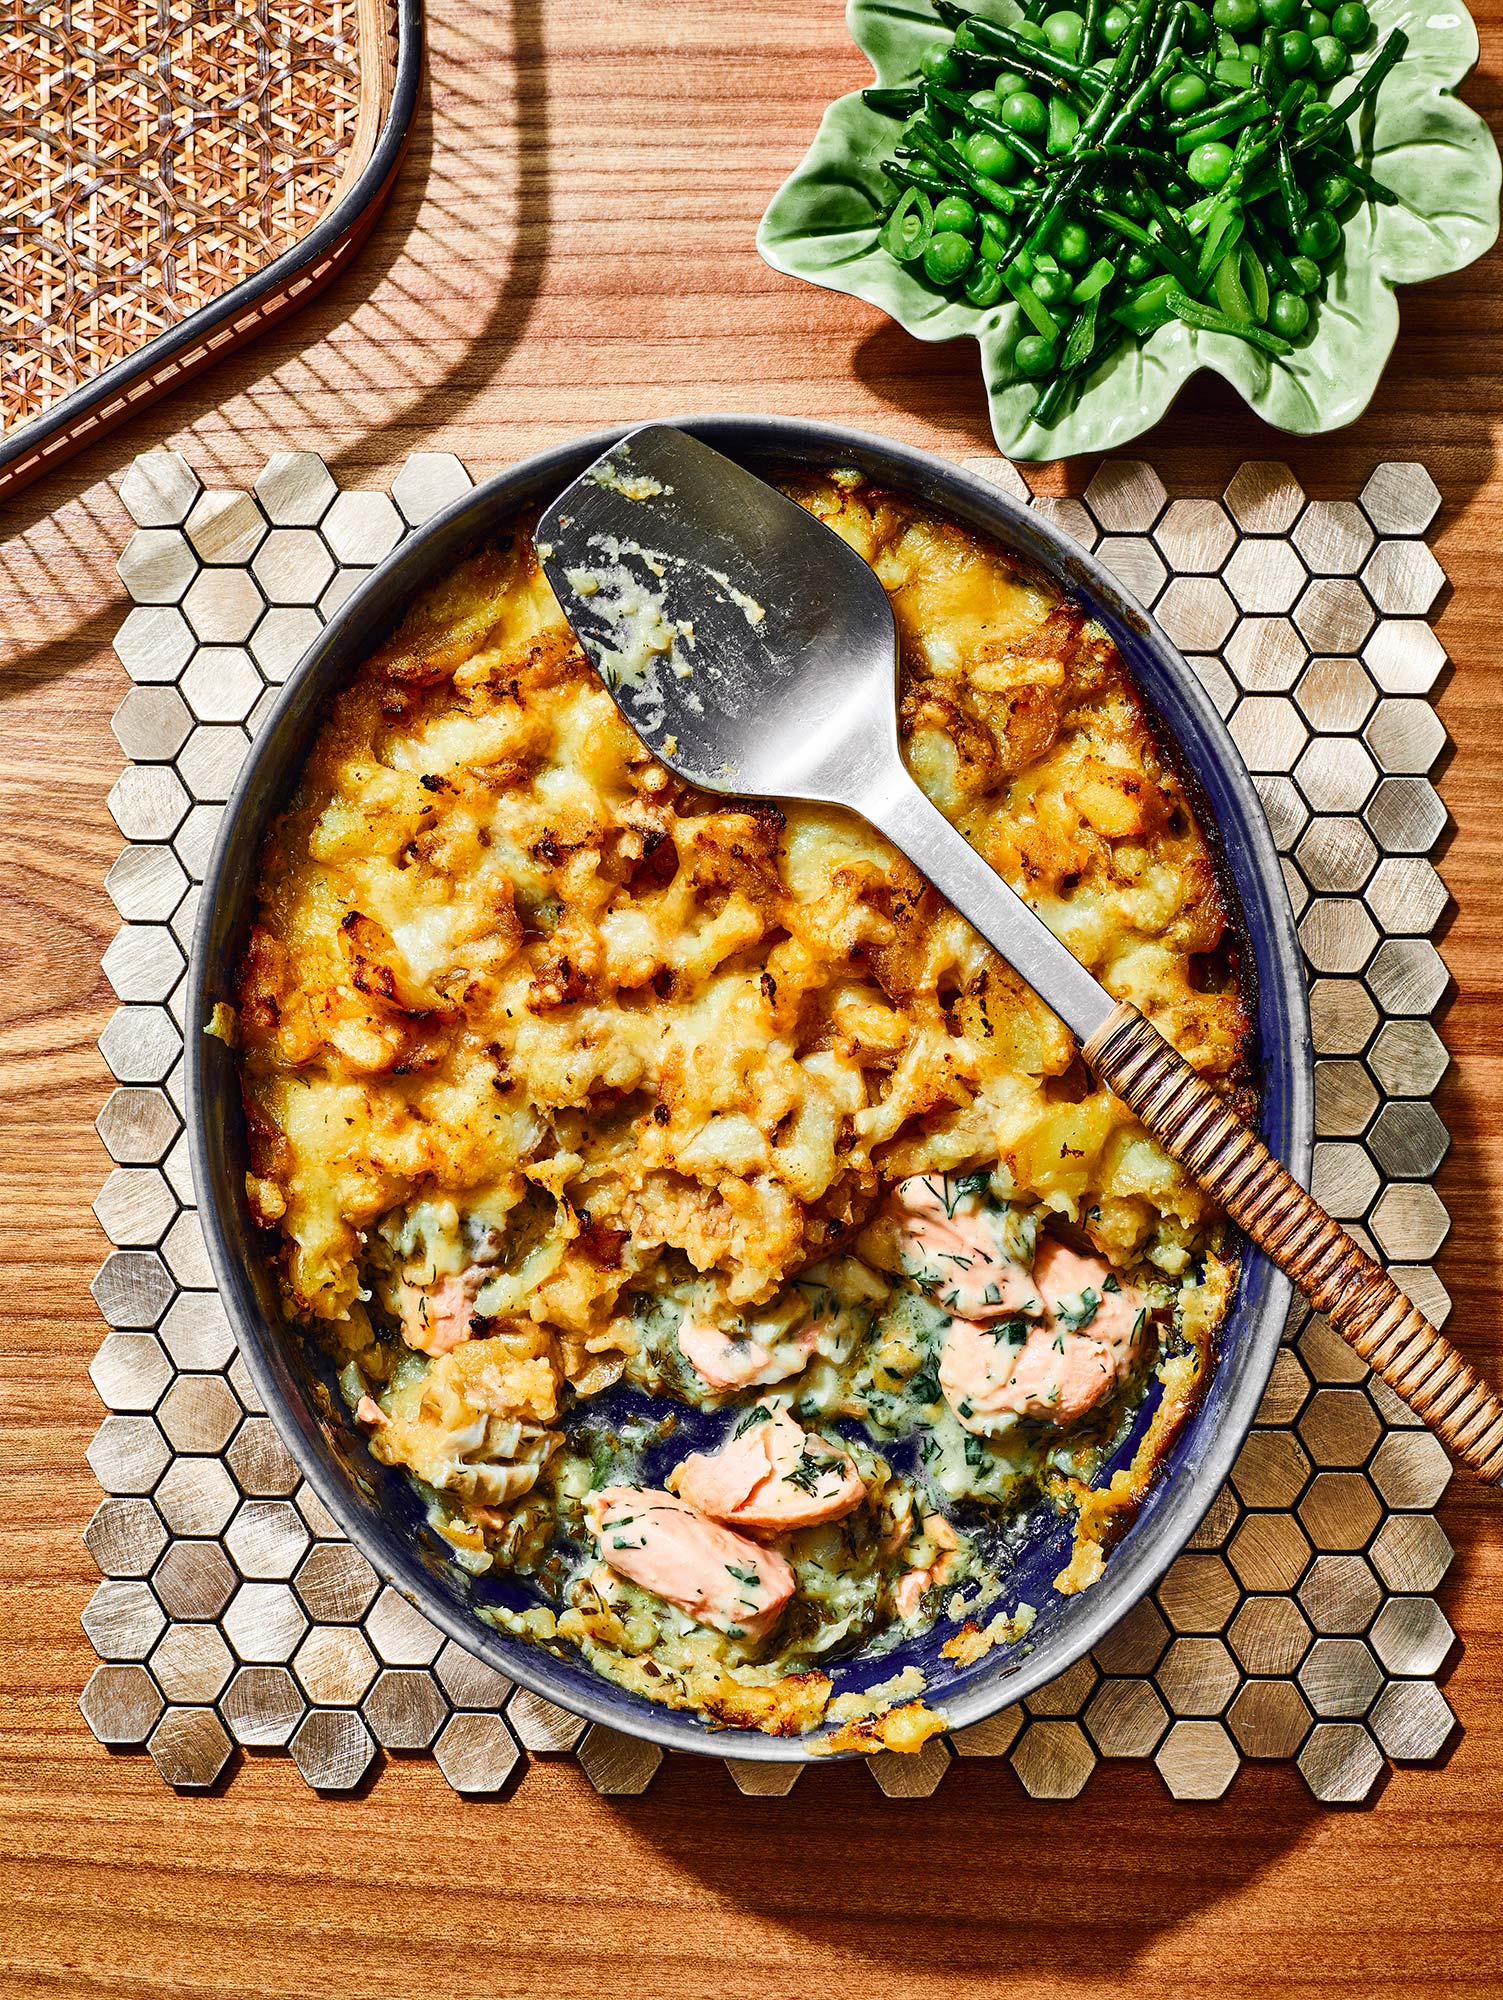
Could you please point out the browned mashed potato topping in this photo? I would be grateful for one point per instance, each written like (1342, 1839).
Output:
(548, 1058)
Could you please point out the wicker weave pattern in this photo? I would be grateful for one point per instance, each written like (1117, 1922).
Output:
(153, 154)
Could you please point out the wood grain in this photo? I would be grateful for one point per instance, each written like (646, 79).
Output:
(571, 245)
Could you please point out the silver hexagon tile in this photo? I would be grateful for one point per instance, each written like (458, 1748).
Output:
(1334, 537)
(1265, 576)
(190, 1747)
(125, 1536)
(293, 566)
(1195, 536)
(405, 1709)
(154, 644)
(158, 489)
(262, 1706)
(158, 565)
(1403, 579)
(1126, 496)
(361, 528)
(121, 1704)
(333, 1749)
(1264, 497)
(1404, 656)
(1400, 498)
(430, 480)
(296, 489)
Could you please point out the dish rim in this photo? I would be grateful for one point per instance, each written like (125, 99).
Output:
(275, 759)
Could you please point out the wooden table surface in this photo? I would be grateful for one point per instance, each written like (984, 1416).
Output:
(570, 245)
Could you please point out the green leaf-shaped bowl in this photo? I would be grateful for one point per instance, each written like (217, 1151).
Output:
(1437, 155)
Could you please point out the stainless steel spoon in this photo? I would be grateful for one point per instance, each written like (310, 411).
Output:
(755, 653)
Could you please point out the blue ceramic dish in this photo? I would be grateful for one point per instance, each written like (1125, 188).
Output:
(376, 1506)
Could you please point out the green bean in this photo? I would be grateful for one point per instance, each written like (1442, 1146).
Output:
(1252, 95)
(906, 176)
(1225, 126)
(1016, 281)
(1082, 339)
(1336, 116)
(1132, 232)
(892, 103)
(1375, 190)
(1290, 192)
(1088, 33)
(1028, 57)
(1204, 317)
(1133, 103)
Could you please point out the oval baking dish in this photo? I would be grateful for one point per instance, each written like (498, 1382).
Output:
(377, 1506)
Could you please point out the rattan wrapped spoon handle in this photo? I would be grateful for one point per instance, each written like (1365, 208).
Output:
(1195, 1125)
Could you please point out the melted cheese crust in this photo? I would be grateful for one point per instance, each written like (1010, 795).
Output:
(509, 976)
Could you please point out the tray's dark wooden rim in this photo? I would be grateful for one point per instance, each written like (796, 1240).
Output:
(257, 302)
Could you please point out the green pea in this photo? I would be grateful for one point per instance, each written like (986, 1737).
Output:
(985, 101)
(1351, 23)
(1210, 163)
(1250, 52)
(1065, 32)
(1006, 82)
(1185, 92)
(1030, 31)
(1237, 17)
(1072, 246)
(1294, 51)
(993, 157)
(1115, 23)
(1053, 287)
(1330, 58)
(1033, 356)
(954, 212)
(1197, 29)
(1138, 266)
(1288, 314)
(1025, 113)
(1306, 273)
(1280, 13)
(942, 66)
(1317, 22)
(1131, 203)
(1320, 235)
(947, 257)
(983, 285)
(1333, 190)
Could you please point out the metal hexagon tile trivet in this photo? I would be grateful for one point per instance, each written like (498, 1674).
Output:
(1300, 1623)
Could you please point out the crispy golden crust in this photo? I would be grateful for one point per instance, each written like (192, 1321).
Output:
(500, 947)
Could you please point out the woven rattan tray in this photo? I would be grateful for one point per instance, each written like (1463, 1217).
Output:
(175, 175)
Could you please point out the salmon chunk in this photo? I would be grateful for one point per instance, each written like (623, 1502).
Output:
(961, 1247)
(771, 1477)
(1056, 1369)
(435, 1320)
(736, 1361)
(719, 1578)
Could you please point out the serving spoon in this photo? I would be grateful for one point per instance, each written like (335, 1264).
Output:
(755, 652)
